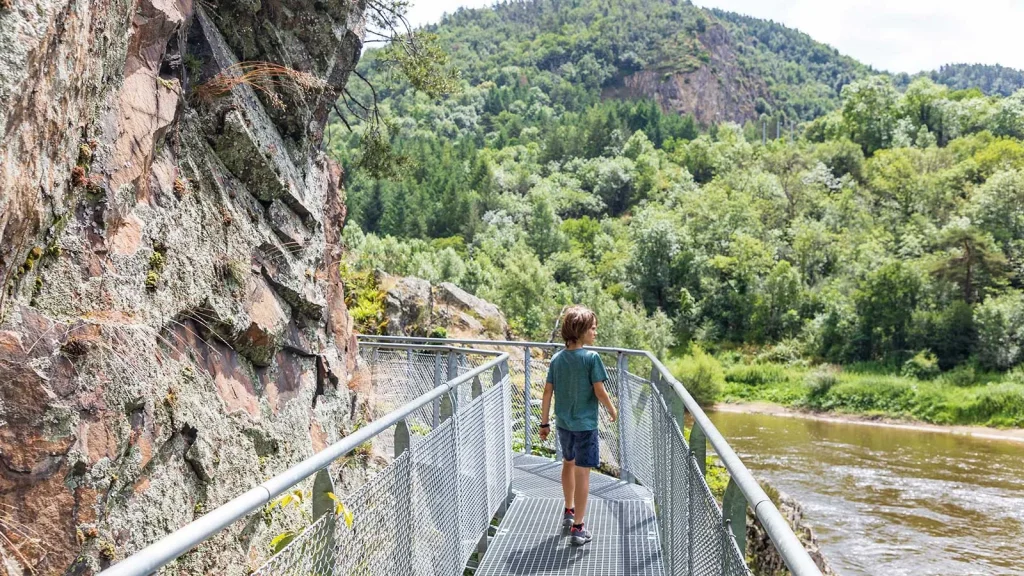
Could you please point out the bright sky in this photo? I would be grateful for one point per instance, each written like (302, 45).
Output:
(891, 35)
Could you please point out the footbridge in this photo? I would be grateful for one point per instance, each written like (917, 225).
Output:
(470, 488)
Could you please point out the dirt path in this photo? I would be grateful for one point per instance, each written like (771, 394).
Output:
(1010, 434)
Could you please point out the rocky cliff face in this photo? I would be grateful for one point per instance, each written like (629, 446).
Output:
(172, 326)
(717, 90)
(415, 307)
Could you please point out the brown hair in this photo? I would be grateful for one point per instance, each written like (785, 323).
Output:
(576, 321)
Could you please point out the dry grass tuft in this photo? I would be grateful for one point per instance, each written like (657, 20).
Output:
(265, 77)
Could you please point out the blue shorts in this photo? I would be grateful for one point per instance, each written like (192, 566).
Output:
(580, 446)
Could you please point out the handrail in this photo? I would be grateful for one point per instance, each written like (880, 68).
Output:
(781, 534)
(510, 343)
(156, 555)
(779, 531)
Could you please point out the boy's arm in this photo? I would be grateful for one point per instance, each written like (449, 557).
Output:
(602, 397)
(545, 410)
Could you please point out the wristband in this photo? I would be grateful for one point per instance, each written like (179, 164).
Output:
(545, 425)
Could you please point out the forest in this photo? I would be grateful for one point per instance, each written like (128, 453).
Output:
(883, 232)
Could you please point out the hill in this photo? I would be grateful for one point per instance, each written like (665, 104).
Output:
(885, 230)
(990, 79)
(713, 64)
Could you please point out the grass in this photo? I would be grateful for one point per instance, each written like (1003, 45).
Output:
(961, 396)
(265, 77)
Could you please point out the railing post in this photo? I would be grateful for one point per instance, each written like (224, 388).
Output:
(621, 367)
(402, 439)
(497, 375)
(734, 511)
(408, 366)
(323, 505)
(437, 382)
(699, 447)
(403, 500)
(453, 373)
(528, 407)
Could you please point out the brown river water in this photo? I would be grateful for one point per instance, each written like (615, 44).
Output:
(892, 502)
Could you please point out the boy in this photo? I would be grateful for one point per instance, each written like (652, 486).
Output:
(576, 377)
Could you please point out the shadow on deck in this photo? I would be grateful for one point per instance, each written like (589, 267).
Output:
(531, 539)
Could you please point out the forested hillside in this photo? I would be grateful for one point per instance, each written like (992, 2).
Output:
(996, 80)
(716, 65)
(890, 228)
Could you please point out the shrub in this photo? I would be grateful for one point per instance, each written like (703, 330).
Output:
(756, 374)
(438, 332)
(701, 375)
(1000, 324)
(996, 405)
(923, 366)
(788, 352)
(820, 381)
(961, 376)
(888, 394)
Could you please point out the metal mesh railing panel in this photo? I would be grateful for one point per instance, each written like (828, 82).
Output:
(607, 430)
(637, 410)
(424, 513)
(538, 372)
(434, 507)
(695, 540)
(377, 541)
(497, 435)
(308, 555)
(472, 475)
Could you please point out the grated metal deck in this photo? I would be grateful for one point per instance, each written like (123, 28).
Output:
(531, 539)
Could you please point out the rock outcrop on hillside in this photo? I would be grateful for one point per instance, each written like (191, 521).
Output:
(172, 326)
(717, 90)
(414, 307)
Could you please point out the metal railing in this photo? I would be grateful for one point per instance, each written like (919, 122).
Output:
(648, 445)
(452, 413)
(427, 512)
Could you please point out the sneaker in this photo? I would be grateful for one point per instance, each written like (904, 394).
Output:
(568, 516)
(579, 536)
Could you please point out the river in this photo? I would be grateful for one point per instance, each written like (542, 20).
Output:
(890, 502)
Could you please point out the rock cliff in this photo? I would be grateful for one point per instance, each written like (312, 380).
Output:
(414, 307)
(715, 89)
(172, 323)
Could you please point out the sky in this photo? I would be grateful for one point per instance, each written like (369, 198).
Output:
(891, 35)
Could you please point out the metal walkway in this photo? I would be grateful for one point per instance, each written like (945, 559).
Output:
(531, 539)
(457, 422)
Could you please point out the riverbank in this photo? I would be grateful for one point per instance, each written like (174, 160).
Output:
(984, 432)
(960, 397)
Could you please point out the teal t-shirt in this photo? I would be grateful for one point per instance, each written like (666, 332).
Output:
(573, 373)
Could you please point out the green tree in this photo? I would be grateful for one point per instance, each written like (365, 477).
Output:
(1000, 322)
(971, 260)
(777, 307)
(659, 259)
(526, 292)
(870, 111)
(885, 302)
(543, 228)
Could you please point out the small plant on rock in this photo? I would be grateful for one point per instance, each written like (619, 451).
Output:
(265, 77)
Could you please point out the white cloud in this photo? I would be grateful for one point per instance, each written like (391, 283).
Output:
(892, 35)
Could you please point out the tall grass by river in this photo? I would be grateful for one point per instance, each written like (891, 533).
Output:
(961, 396)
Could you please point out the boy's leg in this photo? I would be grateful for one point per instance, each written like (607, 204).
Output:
(588, 455)
(582, 481)
(569, 482)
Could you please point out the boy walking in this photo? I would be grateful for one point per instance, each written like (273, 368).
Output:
(576, 378)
